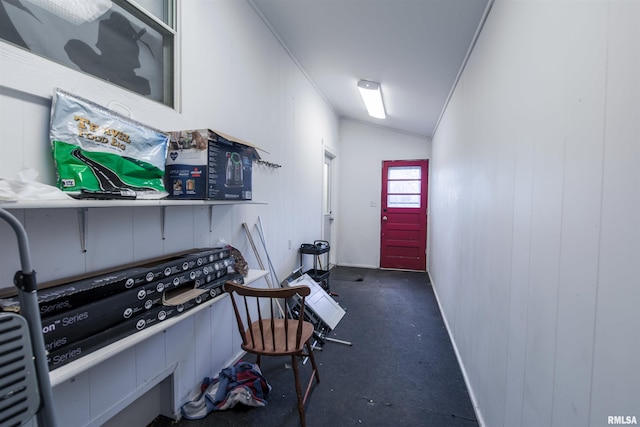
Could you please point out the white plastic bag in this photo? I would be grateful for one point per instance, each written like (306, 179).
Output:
(25, 187)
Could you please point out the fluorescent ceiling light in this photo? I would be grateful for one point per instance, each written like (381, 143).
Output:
(372, 98)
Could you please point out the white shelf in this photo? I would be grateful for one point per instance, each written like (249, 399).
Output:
(82, 207)
(74, 203)
(72, 369)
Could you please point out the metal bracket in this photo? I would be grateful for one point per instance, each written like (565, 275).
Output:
(82, 225)
(163, 220)
(25, 281)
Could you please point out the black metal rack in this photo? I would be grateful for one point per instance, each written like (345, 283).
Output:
(325, 320)
(317, 273)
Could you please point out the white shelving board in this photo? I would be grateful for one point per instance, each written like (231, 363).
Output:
(82, 206)
(72, 369)
(74, 203)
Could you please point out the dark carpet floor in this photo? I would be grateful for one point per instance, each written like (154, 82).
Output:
(400, 369)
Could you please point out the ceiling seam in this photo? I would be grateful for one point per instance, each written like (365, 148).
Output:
(464, 64)
(387, 128)
(293, 58)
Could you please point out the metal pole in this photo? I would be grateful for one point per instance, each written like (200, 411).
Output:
(264, 245)
(30, 310)
(273, 271)
(257, 254)
(255, 251)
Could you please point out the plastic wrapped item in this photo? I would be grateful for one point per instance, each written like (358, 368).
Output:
(25, 187)
(101, 154)
(237, 262)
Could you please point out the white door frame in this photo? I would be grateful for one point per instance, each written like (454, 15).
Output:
(328, 200)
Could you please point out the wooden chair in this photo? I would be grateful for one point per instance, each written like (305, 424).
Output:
(269, 330)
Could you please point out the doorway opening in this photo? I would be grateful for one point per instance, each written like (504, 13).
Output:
(327, 197)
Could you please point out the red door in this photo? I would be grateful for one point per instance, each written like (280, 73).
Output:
(403, 239)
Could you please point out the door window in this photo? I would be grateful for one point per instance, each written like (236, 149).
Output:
(403, 187)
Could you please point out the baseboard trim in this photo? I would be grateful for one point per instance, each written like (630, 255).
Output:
(375, 267)
(472, 395)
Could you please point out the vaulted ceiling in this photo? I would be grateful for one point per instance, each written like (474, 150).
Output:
(414, 48)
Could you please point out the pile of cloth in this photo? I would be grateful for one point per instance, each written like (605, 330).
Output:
(241, 383)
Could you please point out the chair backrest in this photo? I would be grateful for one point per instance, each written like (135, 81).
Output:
(266, 323)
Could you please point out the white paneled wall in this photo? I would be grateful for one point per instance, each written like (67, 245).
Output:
(617, 343)
(363, 148)
(535, 214)
(236, 78)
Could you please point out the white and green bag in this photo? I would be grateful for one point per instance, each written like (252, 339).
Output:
(101, 154)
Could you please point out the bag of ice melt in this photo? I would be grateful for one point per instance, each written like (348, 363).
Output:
(99, 153)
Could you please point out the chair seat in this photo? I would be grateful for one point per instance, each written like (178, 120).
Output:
(282, 347)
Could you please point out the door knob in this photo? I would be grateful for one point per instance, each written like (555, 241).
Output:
(384, 218)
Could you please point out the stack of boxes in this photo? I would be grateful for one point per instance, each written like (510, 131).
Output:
(81, 316)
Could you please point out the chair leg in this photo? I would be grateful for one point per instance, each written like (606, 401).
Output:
(313, 362)
(296, 374)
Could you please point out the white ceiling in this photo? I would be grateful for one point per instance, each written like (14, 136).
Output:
(413, 48)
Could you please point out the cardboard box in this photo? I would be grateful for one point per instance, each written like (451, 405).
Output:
(183, 300)
(209, 165)
(73, 293)
(75, 350)
(76, 324)
(214, 286)
(83, 322)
